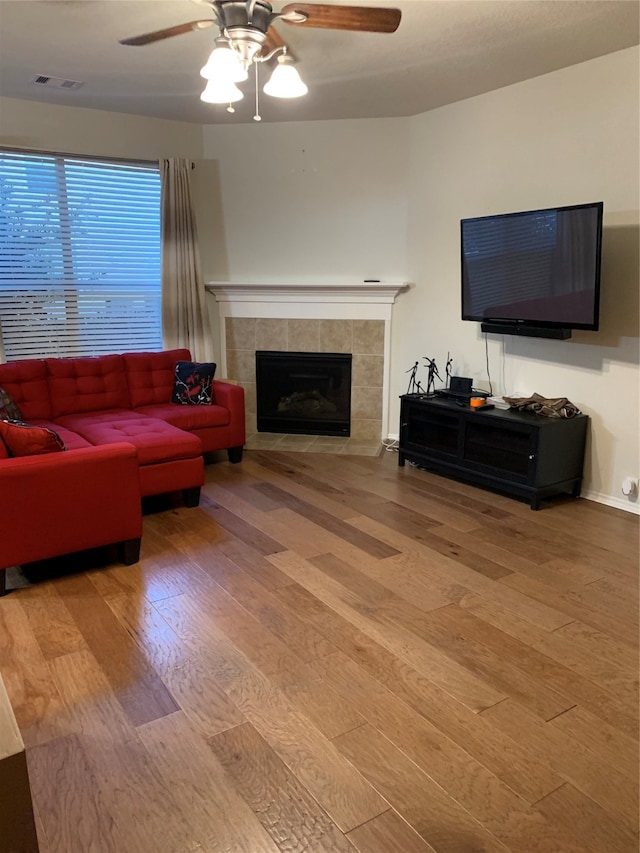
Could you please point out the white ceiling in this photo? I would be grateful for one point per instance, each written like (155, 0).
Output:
(443, 51)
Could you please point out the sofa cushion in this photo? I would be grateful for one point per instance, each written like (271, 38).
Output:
(4, 450)
(189, 417)
(72, 441)
(87, 384)
(26, 381)
(192, 383)
(8, 409)
(150, 375)
(23, 439)
(155, 440)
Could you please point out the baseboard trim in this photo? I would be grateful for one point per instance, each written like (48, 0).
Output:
(608, 500)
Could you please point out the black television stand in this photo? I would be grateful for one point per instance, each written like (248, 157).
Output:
(522, 454)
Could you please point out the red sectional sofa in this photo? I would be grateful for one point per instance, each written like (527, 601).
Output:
(95, 405)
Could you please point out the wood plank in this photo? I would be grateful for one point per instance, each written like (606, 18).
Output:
(339, 789)
(134, 681)
(618, 625)
(572, 760)
(51, 623)
(388, 833)
(36, 702)
(564, 574)
(253, 563)
(576, 646)
(306, 643)
(517, 767)
(239, 528)
(284, 807)
(441, 757)
(369, 544)
(200, 697)
(219, 818)
(447, 569)
(607, 688)
(595, 828)
(161, 646)
(447, 629)
(374, 594)
(610, 744)
(261, 474)
(504, 820)
(457, 680)
(298, 682)
(73, 813)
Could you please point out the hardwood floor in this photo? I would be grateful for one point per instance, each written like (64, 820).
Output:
(334, 654)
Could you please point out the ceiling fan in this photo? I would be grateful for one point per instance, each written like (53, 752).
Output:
(247, 37)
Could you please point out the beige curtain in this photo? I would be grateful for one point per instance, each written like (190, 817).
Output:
(185, 316)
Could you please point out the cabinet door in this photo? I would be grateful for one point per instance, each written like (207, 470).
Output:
(500, 448)
(428, 431)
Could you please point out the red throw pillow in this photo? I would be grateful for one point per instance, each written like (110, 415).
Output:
(27, 440)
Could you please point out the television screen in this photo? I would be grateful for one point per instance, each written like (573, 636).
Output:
(538, 267)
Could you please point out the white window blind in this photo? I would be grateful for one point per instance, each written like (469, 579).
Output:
(79, 256)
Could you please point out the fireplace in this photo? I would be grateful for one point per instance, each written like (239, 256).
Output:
(305, 393)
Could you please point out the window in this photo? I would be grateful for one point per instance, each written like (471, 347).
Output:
(79, 256)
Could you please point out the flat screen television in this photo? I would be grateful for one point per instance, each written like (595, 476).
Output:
(534, 273)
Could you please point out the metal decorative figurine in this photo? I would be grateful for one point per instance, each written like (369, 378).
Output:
(414, 384)
(433, 372)
(447, 370)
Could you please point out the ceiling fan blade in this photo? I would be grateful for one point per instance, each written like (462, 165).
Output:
(274, 42)
(365, 18)
(158, 35)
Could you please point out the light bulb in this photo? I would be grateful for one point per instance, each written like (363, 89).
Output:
(221, 93)
(285, 81)
(224, 64)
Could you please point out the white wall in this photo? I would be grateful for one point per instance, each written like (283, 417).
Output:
(564, 138)
(72, 130)
(313, 201)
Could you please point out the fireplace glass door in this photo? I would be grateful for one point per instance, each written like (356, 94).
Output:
(303, 393)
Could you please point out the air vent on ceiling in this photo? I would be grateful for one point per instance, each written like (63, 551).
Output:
(56, 82)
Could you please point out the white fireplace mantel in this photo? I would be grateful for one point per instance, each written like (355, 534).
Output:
(363, 292)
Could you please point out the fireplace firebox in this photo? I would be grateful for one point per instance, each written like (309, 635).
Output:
(304, 393)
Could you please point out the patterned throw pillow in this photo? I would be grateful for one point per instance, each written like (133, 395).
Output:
(192, 386)
(8, 409)
(27, 440)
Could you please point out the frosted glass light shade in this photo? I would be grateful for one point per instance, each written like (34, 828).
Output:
(221, 93)
(285, 81)
(224, 65)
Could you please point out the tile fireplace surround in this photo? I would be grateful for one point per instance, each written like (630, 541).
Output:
(353, 318)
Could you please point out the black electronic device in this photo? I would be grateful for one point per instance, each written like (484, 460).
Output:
(533, 273)
(460, 383)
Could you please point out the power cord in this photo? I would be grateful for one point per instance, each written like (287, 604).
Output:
(390, 445)
(486, 353)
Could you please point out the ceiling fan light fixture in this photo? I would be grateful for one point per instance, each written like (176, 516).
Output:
(285, 82)
(224, 64)
(217, 92)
